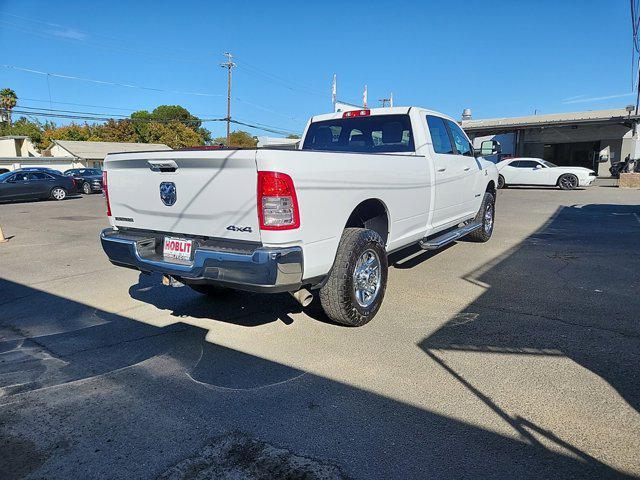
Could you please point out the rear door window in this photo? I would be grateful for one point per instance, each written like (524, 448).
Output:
(371, 134)
(439, 135)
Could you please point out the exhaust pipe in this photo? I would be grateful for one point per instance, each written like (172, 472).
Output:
(303, 296)
(169, 281)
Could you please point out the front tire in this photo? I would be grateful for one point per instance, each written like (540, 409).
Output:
(486, 216)
(501, 182)
(86, 188)
(357, 282)
(58, 193)
(568, 181)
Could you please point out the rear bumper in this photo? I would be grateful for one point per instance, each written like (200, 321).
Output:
(264, 269)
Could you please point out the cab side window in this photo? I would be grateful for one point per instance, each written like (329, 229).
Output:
(463, 146)
(439, 135)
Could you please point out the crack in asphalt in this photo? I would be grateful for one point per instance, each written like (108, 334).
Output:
(560, 320)
(121, 342)
(25, 336)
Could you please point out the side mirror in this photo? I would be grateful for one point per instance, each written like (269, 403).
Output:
(538, 167)
(490, 147)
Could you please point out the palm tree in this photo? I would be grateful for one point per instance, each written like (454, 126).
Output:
(8, 100)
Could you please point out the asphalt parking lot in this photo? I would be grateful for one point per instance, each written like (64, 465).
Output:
(519, 358)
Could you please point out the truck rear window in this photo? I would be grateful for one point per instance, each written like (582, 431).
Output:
(373, 134)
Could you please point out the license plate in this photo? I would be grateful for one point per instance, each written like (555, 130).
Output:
(177, 248)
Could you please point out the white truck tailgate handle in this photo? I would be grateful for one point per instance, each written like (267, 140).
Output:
(162, 165)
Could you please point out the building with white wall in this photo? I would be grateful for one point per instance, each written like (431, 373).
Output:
(595, 139)
(19, 152)
(17, 146)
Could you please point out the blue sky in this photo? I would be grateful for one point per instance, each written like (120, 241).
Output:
(497, 58)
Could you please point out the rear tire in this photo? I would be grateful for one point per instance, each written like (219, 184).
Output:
(501, 183)
(486, 216)
(58, 193)
(86, 188)
(356, 285)
(568, 181)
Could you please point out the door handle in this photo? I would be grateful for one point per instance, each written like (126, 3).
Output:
(467, 169)
(442, 169)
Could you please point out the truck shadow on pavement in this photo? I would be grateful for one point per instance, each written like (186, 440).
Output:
(240, 308)
(85, 393)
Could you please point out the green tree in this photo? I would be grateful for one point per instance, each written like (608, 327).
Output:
(293, 135)
(118, 131)
(8, 100)
(174, 134)
(238, 139)
(167, 114)
(84, 132)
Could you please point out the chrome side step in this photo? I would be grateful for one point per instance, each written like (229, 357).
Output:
(440, 241)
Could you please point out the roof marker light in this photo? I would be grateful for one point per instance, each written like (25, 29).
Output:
(356, 113)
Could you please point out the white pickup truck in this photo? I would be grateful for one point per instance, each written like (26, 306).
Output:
(318, 220)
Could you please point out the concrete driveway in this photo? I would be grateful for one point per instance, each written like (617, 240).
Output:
(519, 358)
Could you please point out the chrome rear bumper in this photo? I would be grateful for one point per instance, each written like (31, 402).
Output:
(263, 269)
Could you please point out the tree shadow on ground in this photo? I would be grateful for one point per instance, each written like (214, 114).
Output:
(128, 400)
(570, 289)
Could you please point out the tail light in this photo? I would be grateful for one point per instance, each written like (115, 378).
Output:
(277, 202)
(105, 190)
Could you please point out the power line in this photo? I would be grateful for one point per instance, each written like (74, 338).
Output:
(288, 84)
(77, 35)
(78, 104)
(113, 116)
(105, 82)
(92, 116)
(280, 132)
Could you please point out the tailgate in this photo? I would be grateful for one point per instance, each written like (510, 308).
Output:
(200, 193)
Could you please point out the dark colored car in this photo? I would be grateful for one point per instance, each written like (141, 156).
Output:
(34, 185)
(40, 169)
(88, 179)
(4, 170)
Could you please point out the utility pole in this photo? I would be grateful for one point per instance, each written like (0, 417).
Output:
(228, 65)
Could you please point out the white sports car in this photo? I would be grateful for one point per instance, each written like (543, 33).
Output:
(535, 171)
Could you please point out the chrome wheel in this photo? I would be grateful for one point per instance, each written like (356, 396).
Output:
(58, 193)
(86, 188)
(487, 220)
(367, 278)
